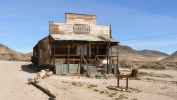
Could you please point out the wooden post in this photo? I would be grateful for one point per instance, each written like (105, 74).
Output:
(107, 57)
(68, 55)
(97, 46)
(127, 83)
(117, 81)
(118, 58)
(89, 50)
(54, 68)
(80, 54)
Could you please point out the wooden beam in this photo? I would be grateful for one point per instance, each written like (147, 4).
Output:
(90, 49)
(94, 69)
(118, 58)
(111, 56)
(107, 57)
(54, 69)
(97, 48)
(80, 54)
(68, 55)
(85, 61)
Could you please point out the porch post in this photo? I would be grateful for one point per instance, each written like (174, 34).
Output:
(80, 55)
(118, 58)
(68, 55)
(107, 57)
(54, 68)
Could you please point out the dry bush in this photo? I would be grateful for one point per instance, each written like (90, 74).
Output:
(153, 65)
(126, 64)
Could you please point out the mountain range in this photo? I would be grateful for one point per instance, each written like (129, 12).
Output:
(125, 53)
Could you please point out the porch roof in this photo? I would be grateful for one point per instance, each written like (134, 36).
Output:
(65, 37)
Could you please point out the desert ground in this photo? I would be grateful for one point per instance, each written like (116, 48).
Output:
(150, 85)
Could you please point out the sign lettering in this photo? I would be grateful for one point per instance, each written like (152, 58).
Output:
(81, 28)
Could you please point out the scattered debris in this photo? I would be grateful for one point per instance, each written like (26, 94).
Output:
(121, 97)
(140, 74)
(93, 85)
(43, 77)
(96, 90)
(130, 90)
(64, 81)
(79, 84)
(30, 80)
(164, 87)
(101, 91)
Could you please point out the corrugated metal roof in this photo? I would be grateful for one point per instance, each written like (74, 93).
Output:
(79, 37)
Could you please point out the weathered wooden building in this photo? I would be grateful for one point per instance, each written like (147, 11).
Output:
(77, 45)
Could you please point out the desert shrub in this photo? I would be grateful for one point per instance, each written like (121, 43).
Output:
(160, 67)
(157, 62)
(143, 73)
(126, 64)
(171, 64)
(122, 63)
(145, 66)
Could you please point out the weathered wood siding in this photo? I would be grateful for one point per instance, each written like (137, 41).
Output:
(43, 52)
(81, 19)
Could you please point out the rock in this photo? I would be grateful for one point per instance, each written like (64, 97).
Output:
(44, 77)
(93, 85)
(104, 83)
(30, 80)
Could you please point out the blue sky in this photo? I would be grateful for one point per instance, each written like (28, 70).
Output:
(24, 22)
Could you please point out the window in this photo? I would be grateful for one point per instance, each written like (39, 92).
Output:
(83, 50)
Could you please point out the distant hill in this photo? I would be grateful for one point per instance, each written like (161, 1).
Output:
(125, 53)
(129, 54)
(172, 57)
(8, 54)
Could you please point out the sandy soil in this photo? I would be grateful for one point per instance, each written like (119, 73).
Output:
(156, 85)
(13, 82)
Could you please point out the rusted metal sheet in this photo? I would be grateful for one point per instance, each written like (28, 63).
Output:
(74, 69)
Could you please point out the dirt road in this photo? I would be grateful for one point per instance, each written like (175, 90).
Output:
(13, 82)
(154, 85)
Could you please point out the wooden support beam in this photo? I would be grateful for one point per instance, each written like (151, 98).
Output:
(118, 58)
(80, 55)
(85, 61)
(68, 55)
(97, 48)
(107, 57)
(94, 69)
(54, 69)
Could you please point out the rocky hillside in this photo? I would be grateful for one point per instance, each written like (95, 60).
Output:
(8, 54)
(171, 58)
(128, 54)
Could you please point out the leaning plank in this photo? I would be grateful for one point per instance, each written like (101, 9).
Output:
(44, 90)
